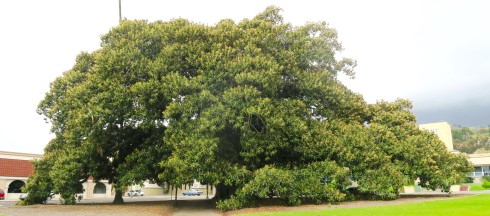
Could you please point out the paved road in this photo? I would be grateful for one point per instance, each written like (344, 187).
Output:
(55, 201)
(441, 193)
(147, 205)
(7, 203)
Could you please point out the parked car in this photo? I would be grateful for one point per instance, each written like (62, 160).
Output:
(131, 193)
(49, 197)
(23, 196)
(135, 193)
(2, 194)
(192, 192)
(141, 193)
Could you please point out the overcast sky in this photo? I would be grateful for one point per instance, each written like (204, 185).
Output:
(435, 53)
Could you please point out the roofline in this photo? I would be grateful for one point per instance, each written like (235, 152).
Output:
(478, 155)
(21, 154)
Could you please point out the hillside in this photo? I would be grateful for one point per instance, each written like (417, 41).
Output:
(471, 139)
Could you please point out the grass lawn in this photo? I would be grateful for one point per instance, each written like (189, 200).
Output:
(467, 206)
(476, 187)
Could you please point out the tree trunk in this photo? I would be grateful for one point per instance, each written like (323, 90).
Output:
(171, 191)
(176, 189)
(118, 198)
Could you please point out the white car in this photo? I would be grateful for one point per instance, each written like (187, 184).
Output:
(135, 193)
(22, 196)
(49, 197)
(141, 193)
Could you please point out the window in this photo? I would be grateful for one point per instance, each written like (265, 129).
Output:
(478, 169)
(99, 188)
(435, 131)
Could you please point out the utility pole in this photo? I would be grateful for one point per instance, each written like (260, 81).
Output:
(120, 18)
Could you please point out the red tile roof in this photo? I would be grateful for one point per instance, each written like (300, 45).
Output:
(15, 168)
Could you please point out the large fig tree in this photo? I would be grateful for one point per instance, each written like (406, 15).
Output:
(255, 108)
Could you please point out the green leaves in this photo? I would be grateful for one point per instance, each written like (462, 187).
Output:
(253, 107)
(292, 185)
(38, 185)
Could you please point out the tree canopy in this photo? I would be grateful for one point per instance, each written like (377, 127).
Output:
(255, 108)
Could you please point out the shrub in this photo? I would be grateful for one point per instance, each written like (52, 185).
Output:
(486, 178)
(317, 182)
(381, 183)
(321, 181)
(486, 184)
(469, 179)
(39, 186)
(68, 199)
(230, 204)
(270, 181)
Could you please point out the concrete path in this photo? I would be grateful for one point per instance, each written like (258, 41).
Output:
(442, 193)
(195, 207)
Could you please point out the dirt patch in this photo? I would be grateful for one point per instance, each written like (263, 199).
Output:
(136, 208)
(194, 207)
(273, 207)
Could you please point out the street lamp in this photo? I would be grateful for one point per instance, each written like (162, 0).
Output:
(120, 18)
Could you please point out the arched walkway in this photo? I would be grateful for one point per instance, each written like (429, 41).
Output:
(15, 186)
(99, 188)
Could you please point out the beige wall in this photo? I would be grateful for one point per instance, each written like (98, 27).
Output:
(153, 191)
(442, 130)
(4, 185)
(479, 159)
(89, 190)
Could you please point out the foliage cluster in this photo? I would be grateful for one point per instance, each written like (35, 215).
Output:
(255, 108)
(39, 185)
(316, 182)
(486, 184)
(471, 140)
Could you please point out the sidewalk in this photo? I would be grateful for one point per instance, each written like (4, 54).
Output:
(445, 194)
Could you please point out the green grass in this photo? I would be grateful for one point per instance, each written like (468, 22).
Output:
(467, 206)
(476, 187)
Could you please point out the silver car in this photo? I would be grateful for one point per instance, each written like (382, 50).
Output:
(192, 192)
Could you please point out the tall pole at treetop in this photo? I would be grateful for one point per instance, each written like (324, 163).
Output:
(120, 18)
